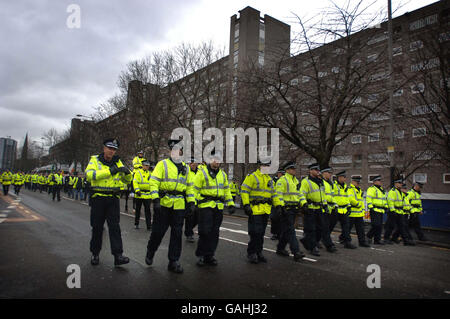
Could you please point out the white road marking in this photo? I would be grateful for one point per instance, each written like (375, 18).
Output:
(267, 249)
(232, 223)
(3, 215)
(447, 292)
(390, 251)
(10, 206)
(2, 220)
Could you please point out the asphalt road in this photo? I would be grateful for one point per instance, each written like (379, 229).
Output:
(39, 239)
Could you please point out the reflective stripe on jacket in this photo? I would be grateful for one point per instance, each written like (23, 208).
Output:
(355, 196)
(212, 192)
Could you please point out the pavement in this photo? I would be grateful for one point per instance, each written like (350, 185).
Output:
(43, 240)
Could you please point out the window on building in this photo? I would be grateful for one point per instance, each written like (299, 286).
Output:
(396, 51)
(305, 79)
(335, 69)
(372, 98)
(446, 178)
(236, 30)
(398, 93)
(420, 177)
(356, 139)
(415, 45)
(261, 58)
(399, 134)
(380, 157)
(372, 57)
(374, 137)
(341, 159)
(417, 88)
(418, 132)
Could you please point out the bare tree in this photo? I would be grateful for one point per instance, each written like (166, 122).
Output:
(328, 90)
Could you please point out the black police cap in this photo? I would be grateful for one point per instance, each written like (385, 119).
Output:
(341, 173)
(111, 142)
(289, 165)
(326, 169)
(314, 166)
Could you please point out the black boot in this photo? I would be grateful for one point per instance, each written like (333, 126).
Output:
(283, 252)
(149, 258)
(174, 266)
(298, 256)
(261, 258)
(120, 260)
(315, 251)
(253, 258)
(95, 260)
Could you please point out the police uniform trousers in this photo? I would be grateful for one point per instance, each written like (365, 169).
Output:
(162, 219)
(344, 221)
(376, 226)
(311, 224)
(5, 189)
(275, 223)
(57, 192)
(209, 221)
(190, 223)
(395, 220)
(359, 225)
(17, 189)
(148, 214)
(405, 222)
(256, 229)
(414, 223)
(287, 236)
(105, 208)
(50, 189)
(323, 229)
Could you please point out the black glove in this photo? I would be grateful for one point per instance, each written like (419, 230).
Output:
(156, 205)
(190, 209)
(231, 210)
(248, 210)
(113, 170)
(139, 194)
(124, 170)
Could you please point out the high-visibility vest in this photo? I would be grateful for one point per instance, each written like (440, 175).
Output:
(258, 191)
(102, 183)
(288, 189)
(355, 196)
(395, 201)
(415, 201)
(58, 179)
(234, 189)
(137, 162)
(19, 179)
(212, 192)
(7, 178)
(174, 185)
(141, 183)
(329, 194)
(340, 197)
(406, 203)
(376, 199)
(314, 194)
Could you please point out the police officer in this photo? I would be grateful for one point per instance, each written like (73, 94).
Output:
(212, 193)
(416, 210)
(326, 173)
(258, 195)
(191, 219)
(288, 190)
(405, 215)
(57, 185)
(173, 195)
(6, 181)
(377, 205)
(342, 202)
(137, 161)
(141, 184)
(355, 196)
(395, 219)
(104, 172)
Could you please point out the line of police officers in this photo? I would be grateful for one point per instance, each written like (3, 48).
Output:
(197, 194)
(52, 183)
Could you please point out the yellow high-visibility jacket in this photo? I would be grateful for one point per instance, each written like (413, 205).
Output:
(99, 176)
(259, 187)
(376, 199)
(141, 183)
(7, 178)
(415, 201)
(395, 201)
(340, 196)
(314, 194)
(212, 192)
(137, 162)
(329, 195)
(234, 189)
(355, 196)
(288, 189)
(166, 178)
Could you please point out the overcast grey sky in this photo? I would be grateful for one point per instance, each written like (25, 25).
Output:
(49, 72)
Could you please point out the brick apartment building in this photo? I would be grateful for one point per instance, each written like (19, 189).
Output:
(216, 95)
